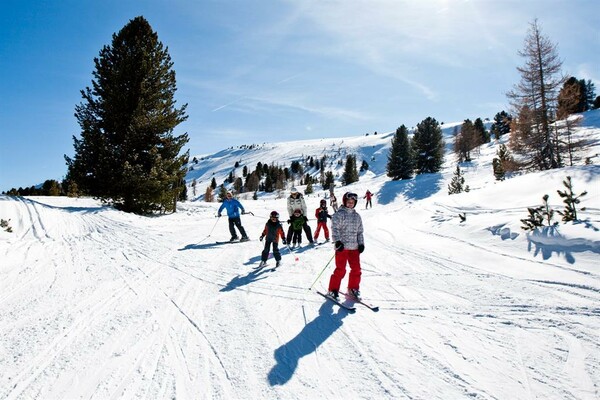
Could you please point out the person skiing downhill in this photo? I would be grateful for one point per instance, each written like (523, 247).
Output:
(321, 215)
(347, 233)
(233, 207)
(272, 232)
(368, 196)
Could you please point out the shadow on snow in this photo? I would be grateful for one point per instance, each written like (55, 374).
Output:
(306, 342)
(418, 188)
(548, 240)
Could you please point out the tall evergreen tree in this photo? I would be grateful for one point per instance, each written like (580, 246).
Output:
(481, 132)
(428, 146)
(400, 159)
(127, 154)
(350, 172)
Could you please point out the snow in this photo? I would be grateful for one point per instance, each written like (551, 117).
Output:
(99, 304)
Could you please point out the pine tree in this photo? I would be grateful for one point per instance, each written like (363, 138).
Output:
(457, 185)
(350, 172)
(570, 200)
(501, 125)
(428, 146)
(400, 159)
(499, 172)
(482, 134)
(127, 154)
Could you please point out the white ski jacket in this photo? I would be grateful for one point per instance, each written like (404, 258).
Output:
(347, 227)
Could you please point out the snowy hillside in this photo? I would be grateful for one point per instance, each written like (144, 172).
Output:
(99, 304)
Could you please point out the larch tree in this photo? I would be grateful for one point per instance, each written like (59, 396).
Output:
(537, 91)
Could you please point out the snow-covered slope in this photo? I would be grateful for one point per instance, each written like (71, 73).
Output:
(98, 304)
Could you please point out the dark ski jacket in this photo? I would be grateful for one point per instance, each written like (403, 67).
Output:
(321, 214)
(273, 231)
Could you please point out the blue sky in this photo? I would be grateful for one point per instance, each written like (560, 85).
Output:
(260, 71)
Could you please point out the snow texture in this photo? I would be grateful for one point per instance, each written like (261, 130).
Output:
(99, 304)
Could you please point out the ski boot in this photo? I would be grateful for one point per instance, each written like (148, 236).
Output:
(333, 294)
(354, 293)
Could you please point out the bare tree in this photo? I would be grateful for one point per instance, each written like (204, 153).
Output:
(537, 91)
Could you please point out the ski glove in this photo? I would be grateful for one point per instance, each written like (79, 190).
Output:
(219, 215)
(261, 238)
(339, 246)
(361, 248)
(283, 241)
(305, 219)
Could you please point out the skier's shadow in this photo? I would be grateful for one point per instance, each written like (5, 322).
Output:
(307, 341)
(239, 281)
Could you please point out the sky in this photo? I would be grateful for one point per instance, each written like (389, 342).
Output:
(272, 71)
(100, 304)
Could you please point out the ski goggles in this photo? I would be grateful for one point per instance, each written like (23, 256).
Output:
(352, 196)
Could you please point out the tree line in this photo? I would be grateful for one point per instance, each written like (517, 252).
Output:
(128, 155)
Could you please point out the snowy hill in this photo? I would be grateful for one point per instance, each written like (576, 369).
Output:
(95, 303)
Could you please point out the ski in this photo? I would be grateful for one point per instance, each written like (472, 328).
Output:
(360, 301)
(235, 241)
(339, 303)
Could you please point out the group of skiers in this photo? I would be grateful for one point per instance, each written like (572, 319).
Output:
(346, 232)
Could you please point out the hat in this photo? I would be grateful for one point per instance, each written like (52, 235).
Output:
(297, 210)
(274, 214)
(294, 190)
(323, 201)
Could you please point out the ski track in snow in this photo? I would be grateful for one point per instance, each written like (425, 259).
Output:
(99, 304)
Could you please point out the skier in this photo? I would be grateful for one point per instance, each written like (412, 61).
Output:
(296, 221)
(321, 215)
(368, 196)
(233, 208)
(273, 231)
(347, 232)
(333, 202)
(295, 201)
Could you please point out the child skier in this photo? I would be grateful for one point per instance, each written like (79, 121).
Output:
(347, 232)
(273, 231)
(321, 215)
(296, 221)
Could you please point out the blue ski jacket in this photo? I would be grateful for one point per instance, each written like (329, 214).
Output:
(233, 208)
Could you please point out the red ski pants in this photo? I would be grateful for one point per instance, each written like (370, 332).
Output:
(325, 229)
(352, 257)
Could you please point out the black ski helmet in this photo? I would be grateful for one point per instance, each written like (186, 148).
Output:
(350, 195)
(323, 202)
(274, 214)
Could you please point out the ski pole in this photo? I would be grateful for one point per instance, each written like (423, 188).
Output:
(211, 231)
(324, 268)
(291, 252)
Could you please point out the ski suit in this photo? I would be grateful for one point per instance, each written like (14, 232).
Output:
(233, 208)
(272, 232)
(347, 228)
(321, 215)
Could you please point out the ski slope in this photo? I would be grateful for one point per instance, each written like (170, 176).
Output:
(98, 304)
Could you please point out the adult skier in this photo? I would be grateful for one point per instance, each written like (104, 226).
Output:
(233, 207)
